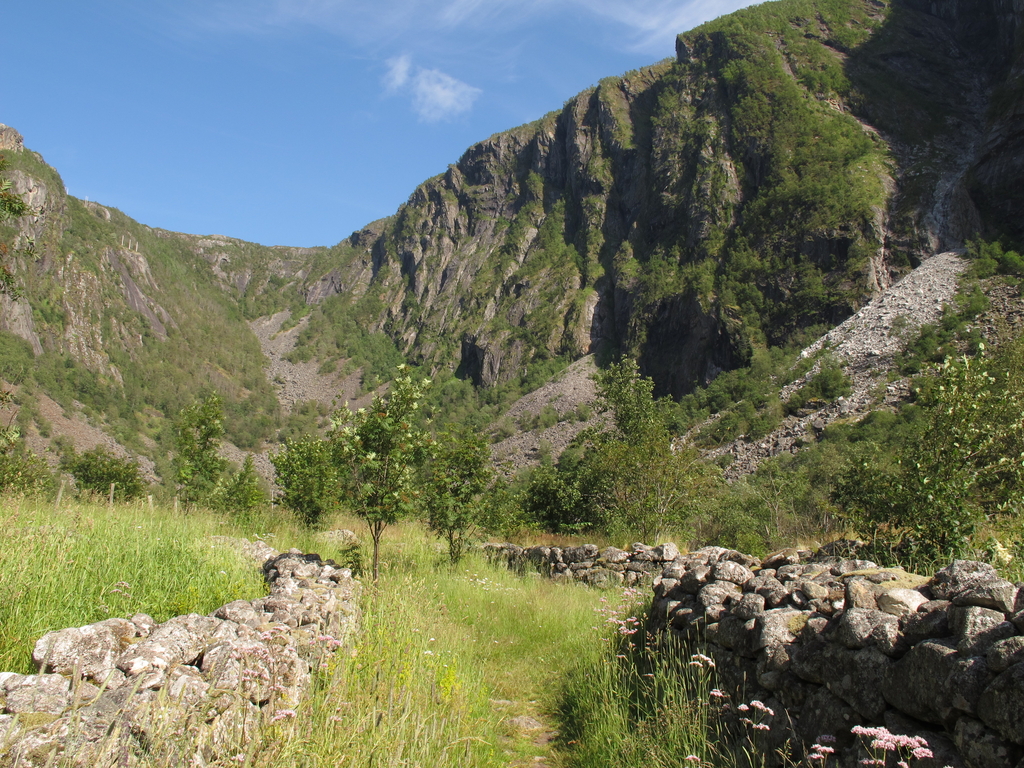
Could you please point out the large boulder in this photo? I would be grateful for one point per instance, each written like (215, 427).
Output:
(1001, 703)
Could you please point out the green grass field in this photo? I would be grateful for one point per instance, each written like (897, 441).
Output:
(465, 666)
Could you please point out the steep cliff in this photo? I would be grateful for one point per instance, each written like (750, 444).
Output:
(125, 324)
(791, 161)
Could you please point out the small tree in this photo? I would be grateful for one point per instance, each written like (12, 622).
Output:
(97, 469)
(308, 478)
(243, 493)
(647, 486)
(377, 452)
(630, 397)
(967, 465)
(458, 474)
(197, 465)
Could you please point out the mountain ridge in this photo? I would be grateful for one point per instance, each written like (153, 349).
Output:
(791, 162)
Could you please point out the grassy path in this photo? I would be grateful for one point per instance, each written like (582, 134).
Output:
(453, 668)
(473, 667)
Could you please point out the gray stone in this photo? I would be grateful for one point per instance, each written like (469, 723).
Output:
(809, 660)
(850, 566)
(1002, 702)
(693, 580)
(813, 590)
(859, 627)
(580, 554)
(982, 747)
(240, 612)
(737, 634)
(856, 677)
(604, 578)
(1004, 653)
(789, 556)
(663, 586)
(968, 678)
(92, 650)
(977, 628)
(824, 712)
(748, 606)
(926, 625)
(959, 576)
(770, 588)
(666, 551)
(613, 555)
(716, 593)
(38, 693)
(917, 683)
(777, 626)
(789, 572)
(860, 593)
(1018, 621)
(900, 602)
(998, 594)
(727, 570)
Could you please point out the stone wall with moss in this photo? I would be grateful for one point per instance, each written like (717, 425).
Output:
(195, 690)
(816, 652)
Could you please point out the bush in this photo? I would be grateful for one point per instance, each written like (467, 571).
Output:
(308, 479)
(22, 472)
(97, 469)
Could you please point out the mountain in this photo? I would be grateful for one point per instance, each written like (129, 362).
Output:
(790, 162)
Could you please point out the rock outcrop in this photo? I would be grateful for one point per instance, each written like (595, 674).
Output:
(190, 691)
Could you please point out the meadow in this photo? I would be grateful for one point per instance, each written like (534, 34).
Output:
(471, 665)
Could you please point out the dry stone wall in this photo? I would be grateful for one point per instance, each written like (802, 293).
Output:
(822, 648)
(839, 648)
(608, 567)
(194, 690)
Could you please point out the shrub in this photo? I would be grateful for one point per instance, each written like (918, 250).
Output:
(22, 472)
(97, 469)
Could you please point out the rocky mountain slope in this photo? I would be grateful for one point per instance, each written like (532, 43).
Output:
(791, 162)
(786, 166)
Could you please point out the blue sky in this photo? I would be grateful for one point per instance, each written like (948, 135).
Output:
(295, 122)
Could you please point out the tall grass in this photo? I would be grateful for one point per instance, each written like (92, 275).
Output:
(471, 666)
(84, 563)
(445, 663)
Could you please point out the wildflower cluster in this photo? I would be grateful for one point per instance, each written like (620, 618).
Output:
(821, 749)
(884, 742)
(615, 615)
(759, 711)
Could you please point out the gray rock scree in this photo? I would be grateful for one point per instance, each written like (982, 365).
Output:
(195, 690)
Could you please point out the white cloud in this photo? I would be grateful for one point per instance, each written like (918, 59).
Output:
(398, 73)
(437, 96)
(653, 22)
(647, 25)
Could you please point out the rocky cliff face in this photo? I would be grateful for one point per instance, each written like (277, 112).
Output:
(784, 168)
(788, 164)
